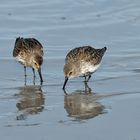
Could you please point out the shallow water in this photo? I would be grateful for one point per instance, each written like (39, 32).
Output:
(109, 108)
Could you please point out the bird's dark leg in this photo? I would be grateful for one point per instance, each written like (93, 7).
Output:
(25, 74)
(34, 75)
(25, 71)
(89, 76)
(40, 75)
(87, 88)
(25, 81)
(85, 78)
(33, 72)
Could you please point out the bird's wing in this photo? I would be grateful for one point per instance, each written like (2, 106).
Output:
(84, 54)
(34, 45)
(20, 46)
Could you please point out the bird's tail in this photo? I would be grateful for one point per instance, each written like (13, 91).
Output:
(102, 51)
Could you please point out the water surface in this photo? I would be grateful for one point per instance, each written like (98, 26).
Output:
(109, 109)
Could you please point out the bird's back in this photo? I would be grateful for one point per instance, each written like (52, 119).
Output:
(86, 54)
(27, 45)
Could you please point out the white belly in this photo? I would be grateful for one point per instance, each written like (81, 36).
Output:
(88, 68)
(22, 61)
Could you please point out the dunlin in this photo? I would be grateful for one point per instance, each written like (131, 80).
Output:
(29, 52)
(82, 61)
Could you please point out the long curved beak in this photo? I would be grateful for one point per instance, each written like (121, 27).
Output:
(66, 80)
(40, 75)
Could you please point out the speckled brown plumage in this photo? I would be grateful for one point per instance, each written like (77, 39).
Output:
(27, 45)
(85, 53)
(29, 52)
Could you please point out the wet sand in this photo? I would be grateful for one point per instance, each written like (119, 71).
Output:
(109, 108)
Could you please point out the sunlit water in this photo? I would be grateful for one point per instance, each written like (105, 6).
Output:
(109, 108)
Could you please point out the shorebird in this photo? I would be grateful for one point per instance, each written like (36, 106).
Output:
(29, 52)
(82, 61)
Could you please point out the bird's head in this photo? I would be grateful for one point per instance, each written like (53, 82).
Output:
(71, 70)
(37, 62)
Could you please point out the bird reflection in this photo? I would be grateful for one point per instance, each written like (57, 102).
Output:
(83, 104)
(31, 101)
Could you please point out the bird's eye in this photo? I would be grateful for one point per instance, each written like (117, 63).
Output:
(35, 63)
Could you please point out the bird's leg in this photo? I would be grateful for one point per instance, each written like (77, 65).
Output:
(25, 74)
(33, 72)
(87, 88)
(25, 71)
(34, 75)
(89, 76)
(85, 78)
(40, 75)
(25, 81)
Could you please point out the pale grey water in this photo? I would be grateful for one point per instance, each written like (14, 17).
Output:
(45, 113)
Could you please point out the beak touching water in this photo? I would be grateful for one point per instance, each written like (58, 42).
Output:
(40, 75)
(66, 79)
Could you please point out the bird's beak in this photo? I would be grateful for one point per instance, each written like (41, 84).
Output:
(66, 79)
(40, 75)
